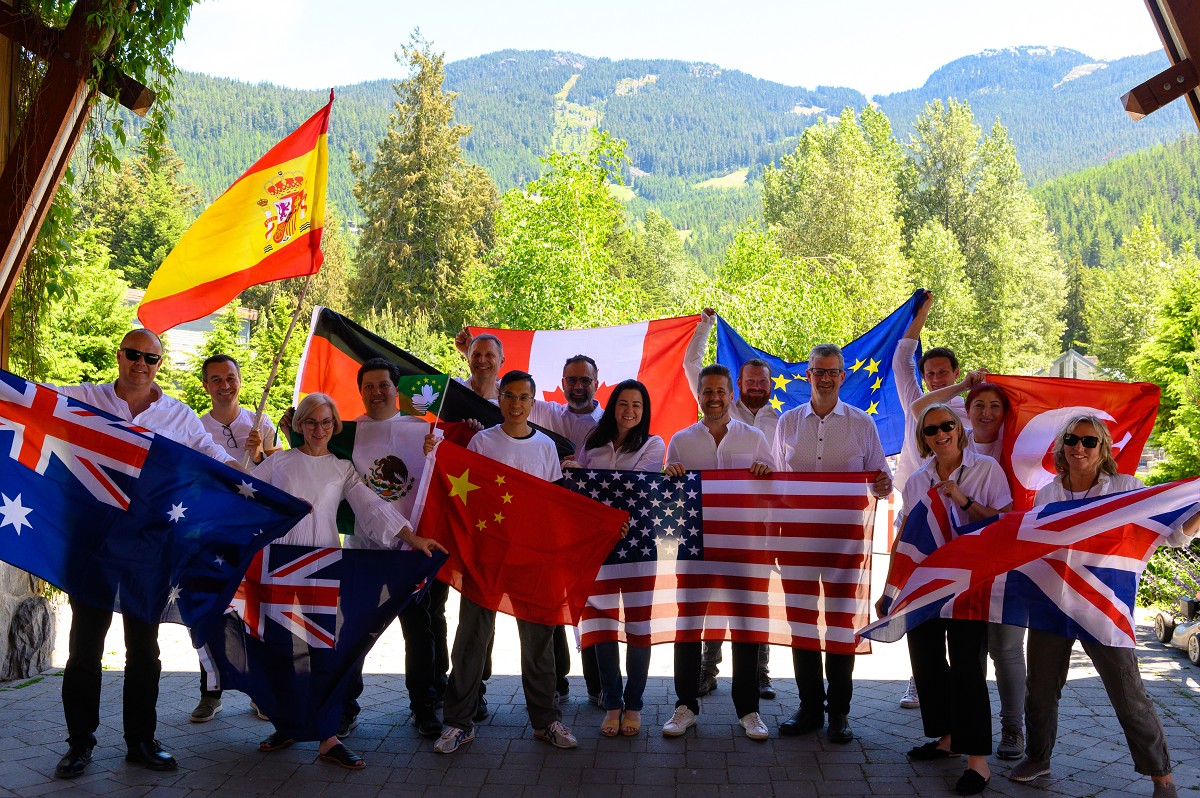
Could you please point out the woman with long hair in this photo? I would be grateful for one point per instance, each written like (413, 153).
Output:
(622, 441)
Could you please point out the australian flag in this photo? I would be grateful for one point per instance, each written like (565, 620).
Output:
(119, 517)
(870, 383)
(1070, 568)
(301, 624)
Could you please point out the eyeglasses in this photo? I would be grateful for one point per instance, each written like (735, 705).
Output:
(932, 429)
(230, 441)
(516, 397)
(822, 373)
(1088, 441)
(134, 355)
(312, 423)
(584, 381)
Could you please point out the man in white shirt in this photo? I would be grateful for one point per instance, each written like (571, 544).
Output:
(134, 397)
(717, 441)
(485, 356)
(825, 434)
(754, 392)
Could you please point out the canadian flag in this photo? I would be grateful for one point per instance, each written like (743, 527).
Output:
(649, 351)
(1042, 405)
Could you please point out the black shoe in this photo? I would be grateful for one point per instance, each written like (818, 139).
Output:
(427, 723)
(151, 754)
(802, 722)
(481, 711)
(971, 783)
(707, 684)
(349, 723)
(839, 729)
(765, 689)
(74, 762)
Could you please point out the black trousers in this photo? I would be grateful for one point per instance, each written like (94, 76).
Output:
(420, 661)
(811, 677)
(438, 593)
(81, 678)
(745, 677)
(562, 660)
(954, 693)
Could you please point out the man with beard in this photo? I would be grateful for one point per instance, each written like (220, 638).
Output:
(754, 390)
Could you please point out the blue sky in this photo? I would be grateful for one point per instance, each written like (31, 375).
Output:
(875, 46)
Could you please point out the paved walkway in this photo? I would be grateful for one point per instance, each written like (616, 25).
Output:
(713, 760)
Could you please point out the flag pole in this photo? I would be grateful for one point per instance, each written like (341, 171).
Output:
(262, 402)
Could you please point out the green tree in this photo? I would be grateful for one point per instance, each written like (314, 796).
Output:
(665, 277)
(939, 265)
(1075, 334)
(225, 338)
(427, 212)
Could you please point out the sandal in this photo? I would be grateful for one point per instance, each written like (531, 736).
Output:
(631, 727)
(343, 757)
(610, 726)
(275, 742)
(929, 752)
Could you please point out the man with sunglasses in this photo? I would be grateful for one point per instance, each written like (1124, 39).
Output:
(134, 397)
(825, 434)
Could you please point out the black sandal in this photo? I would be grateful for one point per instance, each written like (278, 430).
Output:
(342, 756)
(929, 752)
(275, 742)
(971, 783)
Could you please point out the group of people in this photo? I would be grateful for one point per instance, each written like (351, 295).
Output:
(950, 447)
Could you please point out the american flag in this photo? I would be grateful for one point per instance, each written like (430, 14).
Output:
(282, 584)
(1070, 568)
(724, 555)
(45, 424)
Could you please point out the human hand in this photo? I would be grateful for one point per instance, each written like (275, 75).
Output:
(675, 470)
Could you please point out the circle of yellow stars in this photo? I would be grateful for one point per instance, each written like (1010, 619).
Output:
(870, 366)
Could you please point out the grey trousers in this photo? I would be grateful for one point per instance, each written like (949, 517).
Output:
(476, 628)
(1006, 647)
(1049, 660)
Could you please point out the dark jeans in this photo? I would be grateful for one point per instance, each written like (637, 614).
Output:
(954, 693)
(420, 662)
(810, 681)
(204, 692)
(712, 658)
(745, 677)
(81, 678)
(608, 662)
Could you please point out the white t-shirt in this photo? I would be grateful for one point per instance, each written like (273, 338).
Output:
(992, 450)
(979, 477)
(325, 482)
(648, 458)
(536, 455)
(239, 429)
(165, 416)
(742, 447)
(390, 458)
(560, 419)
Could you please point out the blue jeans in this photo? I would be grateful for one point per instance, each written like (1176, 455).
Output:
(637, 664)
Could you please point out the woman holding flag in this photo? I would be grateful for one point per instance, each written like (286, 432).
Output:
(622, 441)
(313, 473)
(953, 488)
(1086, 468)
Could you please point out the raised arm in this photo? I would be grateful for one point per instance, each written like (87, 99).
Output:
(693, 359)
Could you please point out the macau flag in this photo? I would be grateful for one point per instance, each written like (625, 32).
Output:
(266, 226)
(421, 394)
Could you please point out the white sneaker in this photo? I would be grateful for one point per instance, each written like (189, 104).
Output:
(754, 726)
(681, 721)
(452, 739)
(557, 735)
(910, 699)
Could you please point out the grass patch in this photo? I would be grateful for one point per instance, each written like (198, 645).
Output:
(735, 179)
(26, 683)
(622, 193)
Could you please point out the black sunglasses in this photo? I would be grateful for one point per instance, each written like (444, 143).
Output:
(1088, 441)
(932, 429)
(134, 355)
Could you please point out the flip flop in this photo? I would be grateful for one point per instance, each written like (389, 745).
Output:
(342, 756)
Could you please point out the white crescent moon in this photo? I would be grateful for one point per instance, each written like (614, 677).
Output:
(1036, 438)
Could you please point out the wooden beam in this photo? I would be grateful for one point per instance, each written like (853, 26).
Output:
(45, 42)
(1170, 84)
(1178, 26)
(43, 149)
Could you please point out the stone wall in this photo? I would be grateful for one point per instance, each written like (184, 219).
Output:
(26, 625)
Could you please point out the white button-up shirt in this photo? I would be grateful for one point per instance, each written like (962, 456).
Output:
(697, 449)
(845, 440)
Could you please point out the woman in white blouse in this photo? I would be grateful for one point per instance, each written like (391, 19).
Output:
(1086, 468)
(312, 473)
(622, 441)
(955, 708)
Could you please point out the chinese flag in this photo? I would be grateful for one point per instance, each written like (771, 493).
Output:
(266, 226)
(518, 544)
(1042, 405)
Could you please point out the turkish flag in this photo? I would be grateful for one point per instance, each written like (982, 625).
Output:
(518, 544)
(649, 351)
(1040, 407)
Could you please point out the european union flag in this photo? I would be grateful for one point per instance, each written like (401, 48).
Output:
(121, 518)
(870, 384)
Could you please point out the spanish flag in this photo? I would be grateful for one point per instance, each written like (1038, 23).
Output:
(266, 226)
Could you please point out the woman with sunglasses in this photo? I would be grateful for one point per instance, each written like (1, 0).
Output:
(312, 473)
(955, 708)
(621, 440)
(1086, 468)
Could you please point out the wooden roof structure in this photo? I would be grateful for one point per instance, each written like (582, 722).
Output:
(1178, 25)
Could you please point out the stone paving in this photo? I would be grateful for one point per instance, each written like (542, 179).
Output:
(715, 759)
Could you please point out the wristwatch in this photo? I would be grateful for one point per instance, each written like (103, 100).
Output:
(967, 506)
